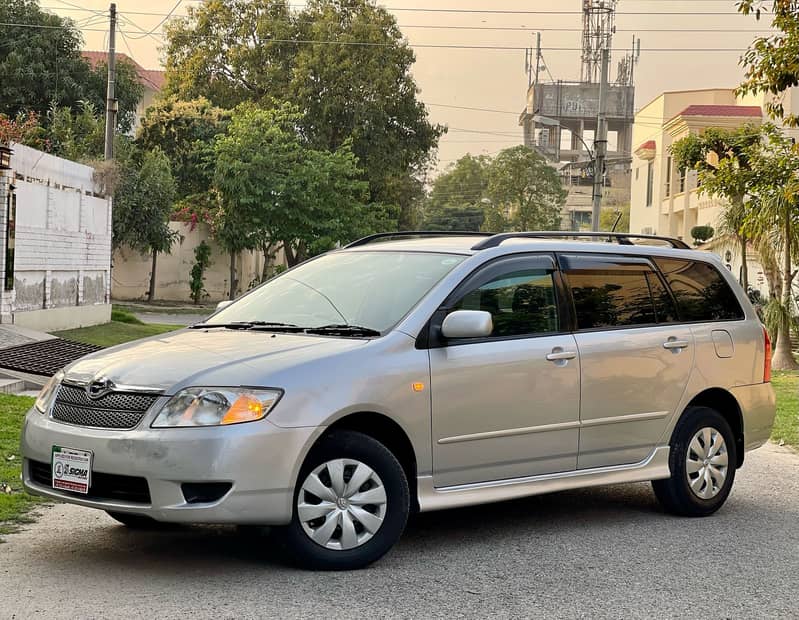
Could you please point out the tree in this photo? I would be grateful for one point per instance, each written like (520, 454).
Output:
(185, 131)
(772, 62)
(775, 163)
(202, 260)
(615, 219)
(42, 66)
(701, 234)
(722, 159)
(76, 136)
(274, 187)
(262, 51)
(456, 199)
(526, 189)
(143, 203)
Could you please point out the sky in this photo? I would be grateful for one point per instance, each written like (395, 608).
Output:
(495, 79)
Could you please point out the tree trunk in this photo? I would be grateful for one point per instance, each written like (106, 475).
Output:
(233, 281)
(291, 257)
(151, 291)
(783, 356)
(744, 266)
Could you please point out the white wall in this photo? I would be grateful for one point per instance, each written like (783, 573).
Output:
(63, 241)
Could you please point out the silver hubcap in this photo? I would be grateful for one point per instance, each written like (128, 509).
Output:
(341, 504)
(706, 463)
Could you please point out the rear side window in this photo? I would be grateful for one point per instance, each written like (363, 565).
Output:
(701, 292)
(610, 292)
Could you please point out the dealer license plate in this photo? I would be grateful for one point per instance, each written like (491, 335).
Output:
(72, 469)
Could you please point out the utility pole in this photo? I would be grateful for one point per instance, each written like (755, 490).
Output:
(600, 140)
(111, 102)
(537, 56)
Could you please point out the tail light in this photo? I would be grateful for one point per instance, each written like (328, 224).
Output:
(767, 360)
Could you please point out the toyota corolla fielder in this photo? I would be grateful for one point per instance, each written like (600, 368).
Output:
(418, 373)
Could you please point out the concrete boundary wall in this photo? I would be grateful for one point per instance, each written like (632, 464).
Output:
(61, 246)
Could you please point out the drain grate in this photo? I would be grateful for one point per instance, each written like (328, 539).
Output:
(44, 358)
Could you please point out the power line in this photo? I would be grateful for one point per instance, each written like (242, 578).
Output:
(420, 45)
(161, 23)
(478, 28)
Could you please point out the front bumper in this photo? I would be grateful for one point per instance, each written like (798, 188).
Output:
(259, 459)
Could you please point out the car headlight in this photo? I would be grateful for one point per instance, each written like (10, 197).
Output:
(47, 394)
(216, 407)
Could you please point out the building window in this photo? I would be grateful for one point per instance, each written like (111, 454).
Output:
(650, 174)
(682, 180)
(668, 177)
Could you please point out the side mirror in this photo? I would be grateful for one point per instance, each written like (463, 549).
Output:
(467, 324)
(223, 304)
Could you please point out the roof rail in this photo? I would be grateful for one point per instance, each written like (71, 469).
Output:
(416, 233)
(610, 237)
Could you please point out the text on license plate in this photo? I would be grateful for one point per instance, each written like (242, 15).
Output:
(72, 469)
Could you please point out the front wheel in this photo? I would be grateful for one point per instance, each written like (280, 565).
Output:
(351, 504)
(702, 463)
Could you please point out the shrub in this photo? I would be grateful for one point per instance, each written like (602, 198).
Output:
(202, 260)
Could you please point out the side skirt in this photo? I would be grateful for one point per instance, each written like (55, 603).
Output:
(654, 467)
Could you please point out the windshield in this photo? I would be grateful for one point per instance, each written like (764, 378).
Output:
(367, 289)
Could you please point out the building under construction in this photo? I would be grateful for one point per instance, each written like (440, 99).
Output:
(561, 116)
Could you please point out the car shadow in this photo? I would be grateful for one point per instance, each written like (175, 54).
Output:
(205, 547)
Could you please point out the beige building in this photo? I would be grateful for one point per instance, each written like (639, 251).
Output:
(665, 200)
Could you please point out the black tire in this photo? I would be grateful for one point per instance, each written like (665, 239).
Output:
(305, 552)
(675, 494)
(138, 522)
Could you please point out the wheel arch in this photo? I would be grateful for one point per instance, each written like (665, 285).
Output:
(388, 432)
(727, 405)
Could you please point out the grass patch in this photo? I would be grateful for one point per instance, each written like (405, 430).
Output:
(13, 505)
(786, 424)
(123, 316)
(115, 332)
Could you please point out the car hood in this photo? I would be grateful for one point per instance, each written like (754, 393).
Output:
(216, 357)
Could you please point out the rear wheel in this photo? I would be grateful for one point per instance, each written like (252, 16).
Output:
(351, 504)
(702, 463)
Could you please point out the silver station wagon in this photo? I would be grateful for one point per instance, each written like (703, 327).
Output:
(415, 372)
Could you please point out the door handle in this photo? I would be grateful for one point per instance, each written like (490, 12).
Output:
(675, 344)
(556, 356)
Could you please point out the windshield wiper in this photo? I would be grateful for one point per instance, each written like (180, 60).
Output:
(247, 325)
(344, 329)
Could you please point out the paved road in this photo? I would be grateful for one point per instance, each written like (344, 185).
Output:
(596, 553)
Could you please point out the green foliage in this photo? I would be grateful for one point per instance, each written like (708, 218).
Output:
(526, 190)
(14, 503)
(202, 260)
(43, 67)
(185, 131)
(123, 316)
(114, 333)
(609, 216)
(363, 96)
(127, 88)
(786, 423)
(772, 62)
(456, 199)
(76, 136)
(143, 200)
(273, 187)
(701, 234)
(722, 158)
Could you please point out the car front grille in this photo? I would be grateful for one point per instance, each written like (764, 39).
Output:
(121, 410)
(103, 486)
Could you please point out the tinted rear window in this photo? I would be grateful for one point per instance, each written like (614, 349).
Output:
(701, 292)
